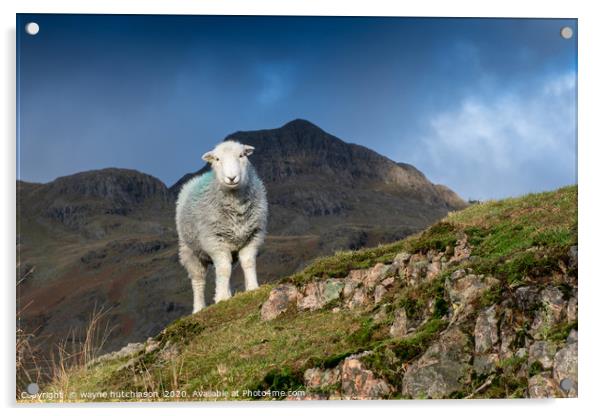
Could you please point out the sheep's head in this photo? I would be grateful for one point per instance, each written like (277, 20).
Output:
(230, 164)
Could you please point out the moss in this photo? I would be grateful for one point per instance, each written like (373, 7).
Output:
(535, 368)
(560, 332)
(282, 379)
(181, 330)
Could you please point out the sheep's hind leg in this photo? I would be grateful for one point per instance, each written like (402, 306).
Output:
(197, 272)
(247, 257)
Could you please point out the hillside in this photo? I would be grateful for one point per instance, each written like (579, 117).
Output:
(106, 238)
(482, 304)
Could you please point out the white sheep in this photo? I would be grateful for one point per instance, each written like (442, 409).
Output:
(220, 215)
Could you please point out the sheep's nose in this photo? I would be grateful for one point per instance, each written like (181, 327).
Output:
(232, 179)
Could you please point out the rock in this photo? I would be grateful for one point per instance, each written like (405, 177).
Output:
(507, 333)
(565, 369)
(388, 282)
(573, 259)
(316, 378)
(485, 332)
(572, 336)
(379, 292)
(359, 298)
(281, 299)
(131, 348)
(416, 269)
(151, 345)
(571, 310)
(553, 298)
(485, 363)
(353, 280)
(319, 294)
(400, 260)
(543, 386)
(359, 383)
(543, 353)
(462, 250)
(375, 275)
(552, 312)
(458, 274)
(463, 291)
(332, 290)
(310, 300)
(433, 269)
(527, 297)
(400, 325)
(443, 369)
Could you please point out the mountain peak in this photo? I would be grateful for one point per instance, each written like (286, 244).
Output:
(300, 124)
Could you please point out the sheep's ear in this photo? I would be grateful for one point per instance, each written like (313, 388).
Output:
(248, 150)
(208, 157)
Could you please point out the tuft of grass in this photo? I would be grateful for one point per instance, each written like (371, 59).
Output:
(560, 332)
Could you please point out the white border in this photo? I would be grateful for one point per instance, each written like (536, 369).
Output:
(590, 70)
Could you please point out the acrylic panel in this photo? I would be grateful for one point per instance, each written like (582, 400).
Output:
(295, 207)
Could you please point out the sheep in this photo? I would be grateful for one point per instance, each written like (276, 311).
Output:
(222, 215)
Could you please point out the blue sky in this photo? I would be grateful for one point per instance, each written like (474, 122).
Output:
(485, 106)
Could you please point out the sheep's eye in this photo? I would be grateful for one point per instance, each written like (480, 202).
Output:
(217, 159)
(242, 155)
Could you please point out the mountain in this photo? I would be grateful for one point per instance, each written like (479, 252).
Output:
(482, 304)
(106, 238)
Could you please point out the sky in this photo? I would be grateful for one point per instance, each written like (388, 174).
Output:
(484, 106)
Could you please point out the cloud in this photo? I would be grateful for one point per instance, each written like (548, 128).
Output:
(509, 143)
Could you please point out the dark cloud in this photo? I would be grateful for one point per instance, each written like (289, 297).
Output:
(154, 92)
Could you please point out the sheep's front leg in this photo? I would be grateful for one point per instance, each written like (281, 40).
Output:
(247, 257)
(196, 271)
(223, 270)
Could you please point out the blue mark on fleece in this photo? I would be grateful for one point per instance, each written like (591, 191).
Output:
(203, 182)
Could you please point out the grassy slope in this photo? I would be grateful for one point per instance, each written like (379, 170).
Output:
(227, 346)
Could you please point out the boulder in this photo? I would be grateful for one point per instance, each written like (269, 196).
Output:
(552, 311)
(375, 275)
(464, 290)
(543, 386)
(443, 369)
(565, 369)
(485, 363)
(462, 250)
(359, 299)
(400, 325)
(357, 382)
(485, 332)
(571, 310)
(316, 378)
(527, 297)
(281, 299)
(318, 294)
(542, 352)
(379, 292)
